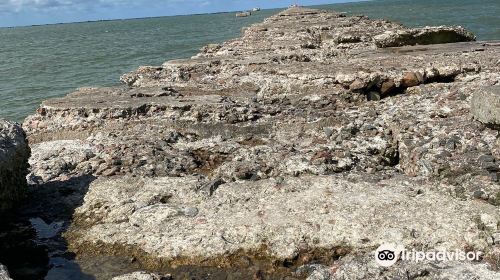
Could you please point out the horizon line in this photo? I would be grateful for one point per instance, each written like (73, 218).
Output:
(174, 15)
(151, 17)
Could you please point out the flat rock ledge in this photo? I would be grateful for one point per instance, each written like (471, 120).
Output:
(486, 105)
(296, 149)
(170, 221)
(14, 155)
(141, 275)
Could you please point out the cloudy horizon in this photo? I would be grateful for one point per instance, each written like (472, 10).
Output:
(36, 12)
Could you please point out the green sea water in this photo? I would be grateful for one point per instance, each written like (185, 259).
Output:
(41, 62)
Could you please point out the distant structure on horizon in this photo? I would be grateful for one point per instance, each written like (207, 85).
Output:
(244, 14)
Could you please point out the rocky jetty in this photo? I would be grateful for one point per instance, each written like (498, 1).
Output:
(14, 155)
(293, 151)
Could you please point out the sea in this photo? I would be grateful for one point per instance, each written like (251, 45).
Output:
(42, 62)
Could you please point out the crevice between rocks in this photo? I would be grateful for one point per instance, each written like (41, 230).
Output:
(388, 88)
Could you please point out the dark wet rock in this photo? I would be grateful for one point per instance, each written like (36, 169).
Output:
(256, 213)
(316, 272)
(485, 105)
(142, 276)
(357, 85)
(373, 96)
(210, 187)
(387, 87)
(14, 154)
(362, 266)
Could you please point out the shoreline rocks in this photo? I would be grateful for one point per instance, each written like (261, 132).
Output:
(14, 154)
(295, 150)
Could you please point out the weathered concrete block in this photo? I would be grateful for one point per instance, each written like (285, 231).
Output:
(14, 154)
(485, 105)
(423, 36)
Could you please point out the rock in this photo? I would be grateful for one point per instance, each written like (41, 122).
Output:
(495, 176)
(14, 154)
(387, 87)
(4, 274)
(357, 85)
(485, 105)
(328, 131)
(142, 276)
(244, 215)
(211, 48)
(373, 96)
(411, 79)
(209, 188)
(423, 36)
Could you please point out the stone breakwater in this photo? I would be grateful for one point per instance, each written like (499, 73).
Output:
(293, 151)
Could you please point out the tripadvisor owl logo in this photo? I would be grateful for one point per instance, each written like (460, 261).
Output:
(388, 254)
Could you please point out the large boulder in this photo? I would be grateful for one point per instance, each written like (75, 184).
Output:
(14, 154)
(423, 36)
(485, 105)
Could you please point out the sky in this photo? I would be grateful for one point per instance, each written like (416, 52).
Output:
(30, 12)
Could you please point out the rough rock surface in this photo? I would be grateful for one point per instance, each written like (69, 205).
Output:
(486, 105)
(305, 142)
(4, 274)
(423, 36)
(140, 276)
(14, 154)
(289, 217)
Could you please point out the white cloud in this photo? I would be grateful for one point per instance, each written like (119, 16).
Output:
(37, 5)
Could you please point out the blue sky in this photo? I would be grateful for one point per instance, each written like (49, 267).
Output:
(29, 12)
